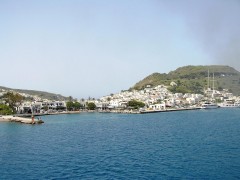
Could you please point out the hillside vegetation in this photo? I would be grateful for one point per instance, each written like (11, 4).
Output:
(193, 79)
(41, 94)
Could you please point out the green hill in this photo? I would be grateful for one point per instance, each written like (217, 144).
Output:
(194, 79)
(41, 94)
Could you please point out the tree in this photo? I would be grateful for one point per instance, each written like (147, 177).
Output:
(69, 105)
(180, 88)
(135, 104)
(91, 106)
(179, 82)
(159, 101)
(218, 100)
(73, 106)
(5, 110)
(13, 99)
(77, 106)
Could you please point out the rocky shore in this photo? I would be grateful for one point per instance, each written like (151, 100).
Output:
(19, 119)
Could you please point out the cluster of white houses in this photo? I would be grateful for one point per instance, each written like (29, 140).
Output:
(155, 98)
(36, 105)
(41, 106)
(160, 98)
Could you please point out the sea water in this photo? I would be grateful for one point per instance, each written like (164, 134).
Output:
(201, 144)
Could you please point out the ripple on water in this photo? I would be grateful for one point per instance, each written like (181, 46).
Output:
(188, 145)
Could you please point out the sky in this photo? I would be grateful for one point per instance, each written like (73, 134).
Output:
(92, 48)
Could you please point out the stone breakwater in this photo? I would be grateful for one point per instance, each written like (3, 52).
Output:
(19, 119)
(149, 111)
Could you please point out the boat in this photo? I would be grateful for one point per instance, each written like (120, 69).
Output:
(229, 105)
(209, 105)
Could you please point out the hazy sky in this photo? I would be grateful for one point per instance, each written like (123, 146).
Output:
(96, 47)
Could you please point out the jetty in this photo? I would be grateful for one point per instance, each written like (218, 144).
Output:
(169, 110)
(20, 120)
(146, 111)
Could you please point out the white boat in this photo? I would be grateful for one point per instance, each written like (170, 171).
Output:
(229, 105)
(209, 105)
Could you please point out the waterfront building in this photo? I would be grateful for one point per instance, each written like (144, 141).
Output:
(158, 106)
(40, 106)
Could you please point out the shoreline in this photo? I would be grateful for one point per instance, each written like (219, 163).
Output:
(46, 114)
(24, 118)
(4, 119)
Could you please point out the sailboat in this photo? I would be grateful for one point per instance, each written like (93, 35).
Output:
(210, 105)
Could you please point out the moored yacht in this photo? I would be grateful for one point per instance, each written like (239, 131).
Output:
(229, 105)
(209, 105)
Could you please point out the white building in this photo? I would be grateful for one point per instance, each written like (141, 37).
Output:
(158, 106)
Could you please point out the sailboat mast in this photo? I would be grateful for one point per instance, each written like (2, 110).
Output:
(208, 80)
(213, 82)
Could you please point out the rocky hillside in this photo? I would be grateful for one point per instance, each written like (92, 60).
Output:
(194, 79)
(41, 94)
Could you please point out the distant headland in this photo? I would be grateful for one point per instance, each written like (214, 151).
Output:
(193, 79)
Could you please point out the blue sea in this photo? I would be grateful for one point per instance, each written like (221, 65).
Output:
(201, 144)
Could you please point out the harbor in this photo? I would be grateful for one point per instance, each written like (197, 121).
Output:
(127, 140)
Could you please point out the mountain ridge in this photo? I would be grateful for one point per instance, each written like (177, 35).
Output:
(194, 78)
(41, 94)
